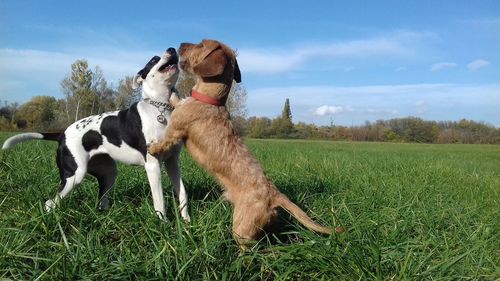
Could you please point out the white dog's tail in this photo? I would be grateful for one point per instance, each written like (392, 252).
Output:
(10, 142)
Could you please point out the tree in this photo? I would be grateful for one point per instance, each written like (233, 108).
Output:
(236, 101)
(7, 112)
(60, 121)
(77, 88)
(418, 130)
(258, 127)
(185, 84)
(86, 91)
(282, 126)
(306, 131)
(236, 106)
(39, 112)
(103, 95)
(126, 95)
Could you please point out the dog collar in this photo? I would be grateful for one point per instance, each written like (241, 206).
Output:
(162, 108)
(205, 99)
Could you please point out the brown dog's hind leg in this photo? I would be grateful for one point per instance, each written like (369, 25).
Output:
(249, 222)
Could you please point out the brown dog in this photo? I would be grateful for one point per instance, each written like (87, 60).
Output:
(203, 123)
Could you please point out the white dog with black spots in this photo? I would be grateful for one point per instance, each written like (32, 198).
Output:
(93, 144)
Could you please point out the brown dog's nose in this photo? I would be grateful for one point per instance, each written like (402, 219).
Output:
(183, 47)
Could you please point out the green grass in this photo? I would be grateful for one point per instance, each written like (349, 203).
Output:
(414, 212)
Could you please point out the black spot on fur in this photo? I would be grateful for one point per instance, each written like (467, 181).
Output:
(103, 167)
(110, 129)
(131, 129)
(65, 161)
(91, 140)
(86, 122)
(126, 127)
(152, 62)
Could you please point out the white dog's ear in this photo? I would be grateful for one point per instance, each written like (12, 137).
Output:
(137, 81)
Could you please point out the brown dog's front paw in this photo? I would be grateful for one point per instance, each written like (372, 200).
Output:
(155, 149)
(174, 99)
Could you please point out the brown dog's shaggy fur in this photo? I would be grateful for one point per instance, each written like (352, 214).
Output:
(212, 142)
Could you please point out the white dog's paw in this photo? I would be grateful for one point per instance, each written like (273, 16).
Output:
(50, 205)
(185, 214)
(161, 216)
(186, 217)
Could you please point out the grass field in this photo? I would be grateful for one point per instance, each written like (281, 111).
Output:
(414, 212)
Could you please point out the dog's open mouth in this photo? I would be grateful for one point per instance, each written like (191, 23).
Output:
(167, 67)
(171, 64)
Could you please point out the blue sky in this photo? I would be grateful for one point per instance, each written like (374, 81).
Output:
(342, 62)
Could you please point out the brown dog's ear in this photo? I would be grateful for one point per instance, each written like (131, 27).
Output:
(237, 73)
(212, 65)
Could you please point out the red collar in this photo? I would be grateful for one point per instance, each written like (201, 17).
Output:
(205, 99)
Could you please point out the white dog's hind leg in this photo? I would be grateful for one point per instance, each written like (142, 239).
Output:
(103, 168)
(174, 173)
(69, 184)
(153, 170)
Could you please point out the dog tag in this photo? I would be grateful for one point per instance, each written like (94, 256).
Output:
(161, 119)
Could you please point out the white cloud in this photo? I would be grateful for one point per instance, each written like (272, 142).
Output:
(25, 73)
(312, 93)
(266, 61)
(382, 111)
(429, 101)
(421, 106)
(331, 110)
(32, 60)
(115, 63)
(442, 65)
(487, 23)
(399, 69)
(279, 60)
(477, 64)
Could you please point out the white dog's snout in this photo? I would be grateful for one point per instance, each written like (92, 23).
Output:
(168, 54)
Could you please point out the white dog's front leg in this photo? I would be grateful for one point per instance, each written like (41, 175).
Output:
(153, 170)
(174, 173)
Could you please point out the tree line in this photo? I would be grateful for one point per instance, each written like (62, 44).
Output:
(408, 129)
(87, 92)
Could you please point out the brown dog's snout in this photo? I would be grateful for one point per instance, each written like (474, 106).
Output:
(183, 47)
(182, 64)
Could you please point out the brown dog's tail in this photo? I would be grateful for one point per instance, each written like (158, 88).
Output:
(301, 216)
